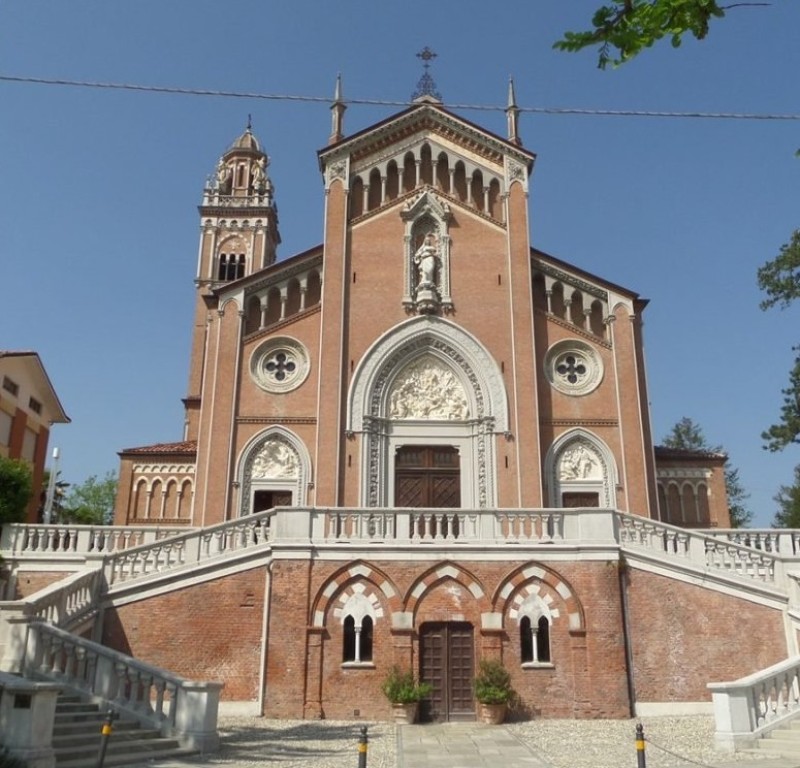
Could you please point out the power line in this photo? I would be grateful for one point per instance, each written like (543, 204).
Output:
(391, 103)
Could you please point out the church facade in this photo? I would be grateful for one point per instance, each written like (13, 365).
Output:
(451, 425)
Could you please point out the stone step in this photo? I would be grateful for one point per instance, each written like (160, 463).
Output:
(81, 739)
(130, 757)
(82, 726)
(75, 706)
(778, 746)
(77, 736)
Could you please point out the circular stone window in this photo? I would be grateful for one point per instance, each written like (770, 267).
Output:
(573, 367)
(279, 365)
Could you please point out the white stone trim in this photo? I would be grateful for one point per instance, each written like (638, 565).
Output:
(605, 486)
(298, 484)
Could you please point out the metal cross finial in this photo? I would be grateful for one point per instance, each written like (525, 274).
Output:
(249, 121)
(426, 54)
(426, 86)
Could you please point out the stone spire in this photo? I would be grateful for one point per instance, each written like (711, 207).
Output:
(337, 113)
(512, 115)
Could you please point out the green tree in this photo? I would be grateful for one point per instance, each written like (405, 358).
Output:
(16, 487)
(780, 280)
(686, 435)
(788, 498)
(91, 502)
(624, 28)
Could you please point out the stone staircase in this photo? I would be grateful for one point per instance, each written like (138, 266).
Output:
(783, 741)
(77, 737)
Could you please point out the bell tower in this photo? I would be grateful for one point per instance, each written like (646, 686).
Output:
(238, 237)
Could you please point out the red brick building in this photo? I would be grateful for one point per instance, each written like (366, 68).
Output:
(457, 426)
(29, 406)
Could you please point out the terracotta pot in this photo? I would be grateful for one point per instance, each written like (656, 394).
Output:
(405, 714)
(492, 714)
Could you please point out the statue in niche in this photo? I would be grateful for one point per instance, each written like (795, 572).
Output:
(426, 259)
(223, 177)
(259, 175)
(579, 463)
(428, 391)
(275, 459)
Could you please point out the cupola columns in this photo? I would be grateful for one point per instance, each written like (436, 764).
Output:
(337, 114)
(512, 115)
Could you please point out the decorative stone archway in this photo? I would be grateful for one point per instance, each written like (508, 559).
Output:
(427, 382)
(274, 460)
(579, 462)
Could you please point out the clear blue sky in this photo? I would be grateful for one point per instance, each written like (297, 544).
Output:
(99, 188)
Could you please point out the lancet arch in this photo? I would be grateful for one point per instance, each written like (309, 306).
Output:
(274, 469)
(580, 466)
(427, 382)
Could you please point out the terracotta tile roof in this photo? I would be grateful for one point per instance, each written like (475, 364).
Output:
(664, 452)
(185, 447)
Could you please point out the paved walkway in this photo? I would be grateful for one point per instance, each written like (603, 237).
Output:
(672, 742)
(462, 745)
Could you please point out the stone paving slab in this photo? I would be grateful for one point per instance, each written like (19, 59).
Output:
(672, 742)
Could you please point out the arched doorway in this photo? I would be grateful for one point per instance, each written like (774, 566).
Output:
(427, 397)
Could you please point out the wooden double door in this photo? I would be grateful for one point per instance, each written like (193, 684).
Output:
(427, 476)
(447, 662)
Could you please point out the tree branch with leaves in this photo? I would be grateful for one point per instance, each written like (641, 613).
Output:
(624, 28)
(780, 280)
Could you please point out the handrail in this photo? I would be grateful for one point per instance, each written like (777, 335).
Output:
(20, 539)
(67, 602)
(188, 548)
(783, 541)
(186, 709)
(699, 549)
(747, 709)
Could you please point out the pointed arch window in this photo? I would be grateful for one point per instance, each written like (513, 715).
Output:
(534, 640)
(358, 623)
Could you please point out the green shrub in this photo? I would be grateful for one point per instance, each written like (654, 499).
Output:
(493, 683)
(401, 687)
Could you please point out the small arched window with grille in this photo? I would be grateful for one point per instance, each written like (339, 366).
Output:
(358, 623)
(534, 632)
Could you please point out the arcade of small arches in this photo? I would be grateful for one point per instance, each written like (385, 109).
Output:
(162, 498)
(684, 502)
(283, 299)
(526, 604)
(468, 183)
(572, 305)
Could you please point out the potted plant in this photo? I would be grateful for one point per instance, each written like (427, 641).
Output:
(404, 693)
(493, 691)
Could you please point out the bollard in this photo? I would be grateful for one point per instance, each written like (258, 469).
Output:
(362, 748)
(641, 760)
(105, 733)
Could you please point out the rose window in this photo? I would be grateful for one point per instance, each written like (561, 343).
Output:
(573, 367)
(279, 365)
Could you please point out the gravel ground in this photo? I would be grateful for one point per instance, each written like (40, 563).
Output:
(252, 741)
(611, 743)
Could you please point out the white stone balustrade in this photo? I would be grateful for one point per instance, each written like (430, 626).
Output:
(782, 541)
(64, 604)
(69, 600)
(188, 548)
(747, 709)
(24, 540)
(699, 549)
(184, 709)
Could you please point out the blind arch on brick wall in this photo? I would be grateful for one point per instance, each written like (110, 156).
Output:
(580, 461)
(274, 460)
